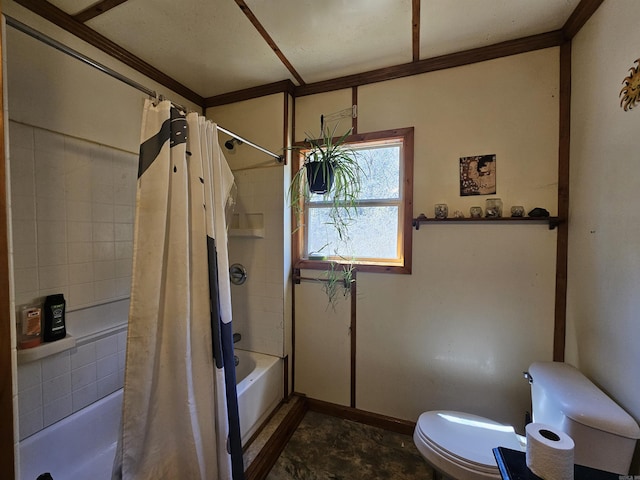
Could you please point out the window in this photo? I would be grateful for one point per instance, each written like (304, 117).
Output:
(379, 236)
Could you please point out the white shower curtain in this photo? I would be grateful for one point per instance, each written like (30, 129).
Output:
(180, 416)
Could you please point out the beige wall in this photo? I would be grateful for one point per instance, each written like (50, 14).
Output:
(478, 308)
(603, 330)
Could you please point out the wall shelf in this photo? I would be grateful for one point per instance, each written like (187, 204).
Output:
(552, 222)
(247, 232)
(46, 349)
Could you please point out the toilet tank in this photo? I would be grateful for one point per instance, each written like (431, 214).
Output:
(604, 434)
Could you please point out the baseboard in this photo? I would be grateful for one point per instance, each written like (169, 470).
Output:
(369, 418)
(266, 459)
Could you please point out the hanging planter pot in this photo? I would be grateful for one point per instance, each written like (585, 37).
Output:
(320, 177)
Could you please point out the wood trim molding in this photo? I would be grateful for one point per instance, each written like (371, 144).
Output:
(415, 29)
(80, 30)
(580, 16)
(368, 418)
(562, 245)
(267, 38)
(503, 49)
(97, 9)
(352, 334)
(268, 455)
(490, 52)
(7, 462)
(285, 86)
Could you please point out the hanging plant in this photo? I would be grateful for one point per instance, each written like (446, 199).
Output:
(337, 281)
(330, 168)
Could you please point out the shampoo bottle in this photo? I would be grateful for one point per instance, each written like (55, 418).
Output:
(54, 326)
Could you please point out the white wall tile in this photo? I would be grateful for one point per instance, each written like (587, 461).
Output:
(52, 277)
(25, 254)
(107, 366)
(124, 249)
(104, 270)
(21, 135)
(29, 375)
(122, 341)
(123, 232)
(23, 208)
(79, 231)
(123, 286)
(56, 365)
(103, 232)
(56, 388)
(30, 423)
(80, 252)
(51, 208)
(84, 396)
(78, 186)
(83, 355)
(106, 347)
(105, 289)
(102, 212)
(83, 376)
(108, 384)
(103, 251)
(30, 399)
(80, 273)
(124, 214)
(79, 211)
(48, 141)
(57, 410)
(25, 279)
(50, 254)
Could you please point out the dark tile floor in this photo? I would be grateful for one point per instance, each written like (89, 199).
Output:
(329, 448)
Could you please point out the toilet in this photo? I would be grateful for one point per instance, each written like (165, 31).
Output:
(460, 445)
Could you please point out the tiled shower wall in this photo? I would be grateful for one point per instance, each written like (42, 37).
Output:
(72, 210)
(258, 305)
(57, 386)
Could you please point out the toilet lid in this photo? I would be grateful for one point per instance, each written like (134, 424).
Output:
(467, 437)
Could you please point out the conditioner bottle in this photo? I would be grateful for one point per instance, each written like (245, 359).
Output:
(54, 326)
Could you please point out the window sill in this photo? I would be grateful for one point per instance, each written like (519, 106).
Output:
(358, 267)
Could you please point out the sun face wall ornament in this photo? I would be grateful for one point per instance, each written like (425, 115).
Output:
(630, 92)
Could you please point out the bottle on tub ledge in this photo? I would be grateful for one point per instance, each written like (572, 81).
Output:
(30, 326)
(54, 324)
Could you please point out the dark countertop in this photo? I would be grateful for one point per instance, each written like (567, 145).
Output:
(513, 466)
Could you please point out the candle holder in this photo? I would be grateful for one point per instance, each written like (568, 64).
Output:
(493, 208)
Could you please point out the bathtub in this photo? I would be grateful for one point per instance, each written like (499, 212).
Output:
(260, 380)
(90, 435)
(78, 447)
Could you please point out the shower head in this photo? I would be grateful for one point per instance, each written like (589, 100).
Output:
(230, 144)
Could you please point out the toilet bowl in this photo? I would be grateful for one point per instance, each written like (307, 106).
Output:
(460, 445)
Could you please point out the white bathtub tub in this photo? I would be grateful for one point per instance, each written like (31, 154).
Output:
(79, 447)
(260, 389)
(82, 446)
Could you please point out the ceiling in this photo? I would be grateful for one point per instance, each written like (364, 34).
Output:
(213, 47)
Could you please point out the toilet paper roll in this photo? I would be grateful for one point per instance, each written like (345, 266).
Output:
(549, 452)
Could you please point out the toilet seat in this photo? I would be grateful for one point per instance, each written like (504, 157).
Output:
(461, 444)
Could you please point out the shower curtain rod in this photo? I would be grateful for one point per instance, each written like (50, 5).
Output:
(12, 22)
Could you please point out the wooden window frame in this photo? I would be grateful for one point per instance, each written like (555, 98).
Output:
(406, 135)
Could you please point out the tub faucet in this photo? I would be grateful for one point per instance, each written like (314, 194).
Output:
(236, 337)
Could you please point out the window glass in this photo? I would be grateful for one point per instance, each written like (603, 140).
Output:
(379, 225)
